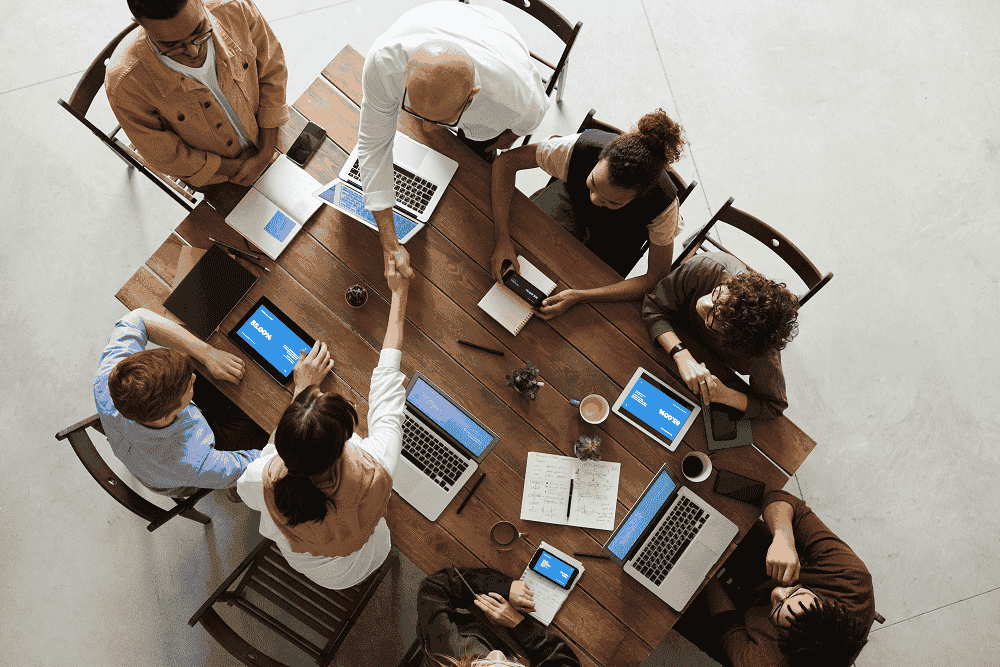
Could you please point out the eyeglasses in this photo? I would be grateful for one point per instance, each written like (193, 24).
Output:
(798, 590)
(711, 317)
(197, 40)
(436, 122)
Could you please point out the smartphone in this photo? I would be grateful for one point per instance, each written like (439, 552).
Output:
(554, 569)
(306, 144)
(733, 485)
(517, 284)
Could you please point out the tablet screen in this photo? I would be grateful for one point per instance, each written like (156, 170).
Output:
(656, 408)
(263, 332)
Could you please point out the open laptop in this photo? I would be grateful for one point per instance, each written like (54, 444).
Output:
(670, 540)
(442, 446)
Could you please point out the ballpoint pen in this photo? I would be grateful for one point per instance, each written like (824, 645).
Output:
(242, 253)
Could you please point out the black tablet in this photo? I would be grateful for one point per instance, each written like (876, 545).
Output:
(271, 339)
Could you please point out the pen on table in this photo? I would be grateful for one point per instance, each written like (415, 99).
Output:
(580, 553)
(243, 253)
(474, 487)
(570, 502)
(499, 353)
(257, 264)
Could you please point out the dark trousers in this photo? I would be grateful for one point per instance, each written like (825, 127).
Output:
(234, 430)
(479, 147)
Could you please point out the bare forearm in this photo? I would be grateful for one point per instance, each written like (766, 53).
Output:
(503, 194)
(626, 290)
(387, 230)
(778, 517)
(166, 333)
(397, 316)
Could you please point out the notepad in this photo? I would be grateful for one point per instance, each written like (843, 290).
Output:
(276, 208)
(509, 309)
(547, 596)
(570, 492)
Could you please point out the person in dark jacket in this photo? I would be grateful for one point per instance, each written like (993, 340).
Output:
(453, 637)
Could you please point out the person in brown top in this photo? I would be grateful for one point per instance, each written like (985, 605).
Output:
(199, 88)
(811, 604)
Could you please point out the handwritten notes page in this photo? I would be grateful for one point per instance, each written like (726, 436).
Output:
(547, 495)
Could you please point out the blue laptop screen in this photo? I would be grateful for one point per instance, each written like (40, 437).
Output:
(649, 404)
(273, 340)
(443, 412)
(643, 513)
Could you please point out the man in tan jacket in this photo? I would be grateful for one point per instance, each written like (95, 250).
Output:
(199, 88)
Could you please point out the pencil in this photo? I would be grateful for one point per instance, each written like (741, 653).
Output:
(474, 487)
(580, 553)
(499, 353)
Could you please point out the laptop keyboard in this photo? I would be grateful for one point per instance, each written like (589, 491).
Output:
(430, 455)
(668, 543)
(411, 190)
(354, 202)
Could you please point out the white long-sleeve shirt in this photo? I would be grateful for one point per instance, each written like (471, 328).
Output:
(386, 399)
(512, 96)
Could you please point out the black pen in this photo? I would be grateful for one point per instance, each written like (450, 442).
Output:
(570, 502)
(242, 253)
(474, 487)
(257, 264)
(499, 353)
(580, 553)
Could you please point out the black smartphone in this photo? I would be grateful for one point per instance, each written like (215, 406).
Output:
(517, 284)
(733, 485)
(306, 144)
(554, 569)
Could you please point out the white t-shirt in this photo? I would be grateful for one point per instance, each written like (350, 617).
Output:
(553, 156)
(512, 96)
(385, 442)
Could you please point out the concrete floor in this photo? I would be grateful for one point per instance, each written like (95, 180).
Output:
(867, 132)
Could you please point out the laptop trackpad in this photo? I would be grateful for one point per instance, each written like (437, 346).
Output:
(408, 154)
(697, 561)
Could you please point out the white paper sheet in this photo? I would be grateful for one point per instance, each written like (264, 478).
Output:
(290, 188)
(509, 309)
(547, 495)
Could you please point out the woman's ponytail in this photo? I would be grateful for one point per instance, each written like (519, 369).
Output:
(637, 158)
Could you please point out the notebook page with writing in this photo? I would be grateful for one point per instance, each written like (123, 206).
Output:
(549, 597)
(548, 497)
(506, 307)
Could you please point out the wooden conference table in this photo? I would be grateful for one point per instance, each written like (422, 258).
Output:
(609, 619)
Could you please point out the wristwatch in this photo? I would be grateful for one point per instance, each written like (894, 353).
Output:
(675, 349)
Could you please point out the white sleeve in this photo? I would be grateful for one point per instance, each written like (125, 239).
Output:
(385, 411)
(553, 154)
(376, 131)
(666, 226)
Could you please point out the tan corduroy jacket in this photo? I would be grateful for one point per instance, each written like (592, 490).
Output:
(173, 121)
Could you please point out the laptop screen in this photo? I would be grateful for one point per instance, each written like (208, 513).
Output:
(448, 417)
(641, 515)
(649, 404)
(273, 340)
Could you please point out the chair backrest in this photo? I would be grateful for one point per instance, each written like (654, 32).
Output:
(768, 236)
(287, 596)
(85, 450)
(79, 104)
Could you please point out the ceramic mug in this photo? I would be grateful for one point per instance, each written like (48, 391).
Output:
(594, 409)
(504, 535)
(696, 467)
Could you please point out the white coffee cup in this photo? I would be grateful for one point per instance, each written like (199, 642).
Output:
(594, 409)
(696, 461)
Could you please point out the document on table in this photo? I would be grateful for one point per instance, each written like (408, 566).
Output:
(549, 597)
(570, 492)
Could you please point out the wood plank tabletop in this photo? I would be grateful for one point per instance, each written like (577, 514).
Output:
(609, 618)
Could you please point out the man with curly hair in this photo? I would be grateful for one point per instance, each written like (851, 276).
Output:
(811, 604)
(740, 316)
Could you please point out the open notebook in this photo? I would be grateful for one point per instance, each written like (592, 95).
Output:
(509, 309)
(277, 207)
(570, 492)
(548, 596)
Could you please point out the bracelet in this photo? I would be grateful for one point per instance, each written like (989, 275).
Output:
(675, 349)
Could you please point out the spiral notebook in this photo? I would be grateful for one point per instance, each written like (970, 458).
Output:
(509, 309)
(548, 596)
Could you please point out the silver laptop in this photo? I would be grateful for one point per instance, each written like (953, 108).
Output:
(670, 540)
(421, 174)
(442, 446)
(348, 199)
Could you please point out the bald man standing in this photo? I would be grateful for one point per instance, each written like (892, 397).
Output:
(448, 64)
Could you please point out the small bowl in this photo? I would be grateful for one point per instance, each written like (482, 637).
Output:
(356, 296)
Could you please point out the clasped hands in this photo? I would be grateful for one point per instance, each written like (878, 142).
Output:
(504, 613)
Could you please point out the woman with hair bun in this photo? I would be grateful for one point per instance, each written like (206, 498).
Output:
(612, 193)
(322, 490)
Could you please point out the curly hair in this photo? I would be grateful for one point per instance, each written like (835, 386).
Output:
(636, 158)
(310, 438)
(148, 385)
(824, 635)
(758, 316)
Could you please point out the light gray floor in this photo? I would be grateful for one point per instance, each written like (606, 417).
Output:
(867, 132)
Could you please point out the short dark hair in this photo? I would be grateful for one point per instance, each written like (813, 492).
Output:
(758, 316)
(148, 385)
(824, 635)
(637, 158)
(310, 438)
(156, 9)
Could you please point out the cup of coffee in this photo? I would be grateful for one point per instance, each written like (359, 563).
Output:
(594, 409)
(504, 535)
(696, 467)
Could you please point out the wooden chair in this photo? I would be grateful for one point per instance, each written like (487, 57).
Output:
(79, 104)
(116, 488)
(330, 614)
(563, 29)
(767, 235)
